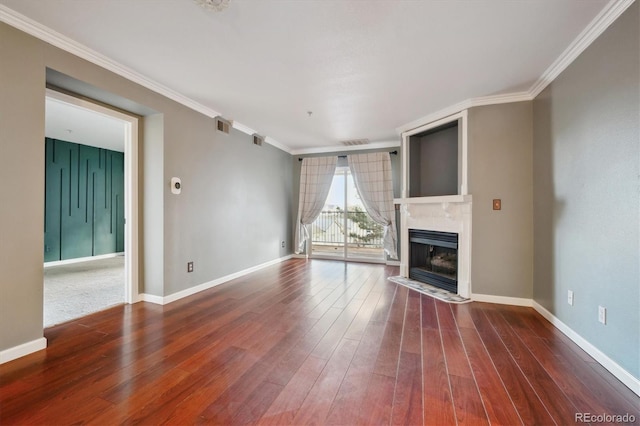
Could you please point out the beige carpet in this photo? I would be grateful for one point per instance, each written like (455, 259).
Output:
(73, 291)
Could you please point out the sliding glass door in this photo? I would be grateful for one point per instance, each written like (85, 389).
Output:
(344, 230)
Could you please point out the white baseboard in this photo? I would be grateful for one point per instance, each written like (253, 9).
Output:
(81, 259)
(502, 300)
(151, 298)
(299, 256)
(614, 368)
(160, 300)
(22, 350)
(393, 263)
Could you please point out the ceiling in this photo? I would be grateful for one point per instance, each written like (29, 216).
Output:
(71, 123)
(363, 68)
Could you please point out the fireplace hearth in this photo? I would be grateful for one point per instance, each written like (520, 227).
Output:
(433, 258)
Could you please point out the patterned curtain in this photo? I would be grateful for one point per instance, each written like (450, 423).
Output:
(374, 182)
(315, 181)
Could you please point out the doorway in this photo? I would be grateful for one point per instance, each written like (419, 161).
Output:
(95, 253)
(344, 230)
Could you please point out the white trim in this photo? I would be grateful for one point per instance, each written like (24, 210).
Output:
(130, 181)
(610, 365)
(435, 199)
(131, 248)
(597, 26)
(461, 117)
(461, 106)
(299, 256)
(44, 33)
(205, 286)
(393, 263)
(249, 131)
(591, 32)
(151, 298)
(344, 148)
(81, 259)
(613, 367)
(271, 141)
(502, 300)
(23, 350)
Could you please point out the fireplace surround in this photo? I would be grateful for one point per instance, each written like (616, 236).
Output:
(449, 214)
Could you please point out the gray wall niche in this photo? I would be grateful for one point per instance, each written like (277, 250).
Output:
(433, 162)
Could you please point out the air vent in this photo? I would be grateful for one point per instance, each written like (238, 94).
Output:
(257, 139)
(223, 125)
(353, 142)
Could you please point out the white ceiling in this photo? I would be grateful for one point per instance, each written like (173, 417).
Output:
(363, 67)
(71, 123)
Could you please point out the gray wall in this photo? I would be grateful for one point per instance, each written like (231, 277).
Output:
(434, 164)
(586, 194)
(22, 92)
(500, 166)
(234, 210)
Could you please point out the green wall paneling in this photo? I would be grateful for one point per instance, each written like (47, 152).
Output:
(84, 201)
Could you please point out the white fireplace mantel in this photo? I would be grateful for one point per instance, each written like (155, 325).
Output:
(434, 200)
(443, 214)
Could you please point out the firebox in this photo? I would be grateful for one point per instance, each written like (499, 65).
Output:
(433, 258)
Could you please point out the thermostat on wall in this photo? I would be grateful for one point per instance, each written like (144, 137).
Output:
(176, 185)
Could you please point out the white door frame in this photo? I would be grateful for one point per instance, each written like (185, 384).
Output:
(131, 293)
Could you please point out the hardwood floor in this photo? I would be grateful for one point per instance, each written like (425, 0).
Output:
(309, 342)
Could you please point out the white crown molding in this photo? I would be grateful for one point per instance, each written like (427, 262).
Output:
(249, 131)
(343, 148)
(597, 26)
(29, 26)
(461, 106)
(275, 143)
(46, 34)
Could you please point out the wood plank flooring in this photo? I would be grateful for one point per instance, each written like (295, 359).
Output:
(309, 342)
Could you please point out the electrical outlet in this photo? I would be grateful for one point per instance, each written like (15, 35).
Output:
(602, 314)
(282, 244)
(189, 266)
(570, 297)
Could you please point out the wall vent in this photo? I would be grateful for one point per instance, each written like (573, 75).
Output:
(223, 125)
(257, 139)
(353, 142)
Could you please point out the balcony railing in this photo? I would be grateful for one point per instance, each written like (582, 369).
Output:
(328, 229)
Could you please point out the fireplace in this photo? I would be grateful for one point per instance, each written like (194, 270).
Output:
(433, 258)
